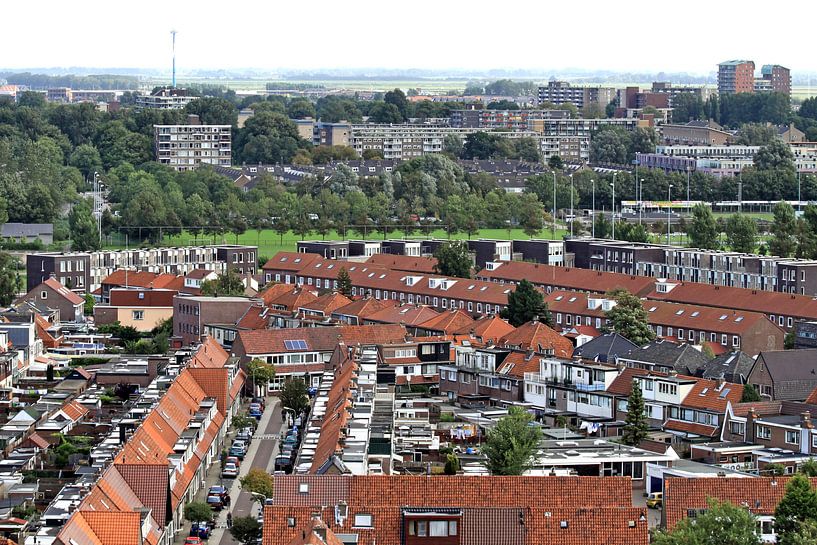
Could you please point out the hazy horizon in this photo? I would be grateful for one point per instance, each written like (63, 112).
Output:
(637, 37)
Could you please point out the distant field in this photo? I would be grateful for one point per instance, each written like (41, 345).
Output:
(269, 242)
(436, 86)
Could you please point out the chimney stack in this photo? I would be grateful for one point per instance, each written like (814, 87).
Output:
(805, 420)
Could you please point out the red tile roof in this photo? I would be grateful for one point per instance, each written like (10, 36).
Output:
(64, 292)
(812, 397)
(409, 314)
(582, 526)
(274, 291)
(364, 307)
(294, 299)
(338, 404)
(538, 337)
(290, 261)
(760, 495)
(489, 328)
(405, 263)
(516, 364)
(321, 339)
(448, 322)
(142, 279)
(327, 303)
(691, 427)
(199, 274)
(568, 278)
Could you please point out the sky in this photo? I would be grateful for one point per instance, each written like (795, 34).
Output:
(630, 36)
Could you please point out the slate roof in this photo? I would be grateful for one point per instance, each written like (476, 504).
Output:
(15, 230)
(605, 348)
(731, 366)
(683, 358)
(793, 372)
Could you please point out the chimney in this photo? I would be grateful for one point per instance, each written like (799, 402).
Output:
(749, 434)
(320, 531)
(805, 420)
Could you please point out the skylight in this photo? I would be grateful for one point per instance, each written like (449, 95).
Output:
(483, 288)
(652, 309)
(295, 345)
(297, 260)
(739, 319)
(723, 317)
(725, 392)
(331, 265)
(559, 298)
(679, 312)
(571, 299)
(695, 313)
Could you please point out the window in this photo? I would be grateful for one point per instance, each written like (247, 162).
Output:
(363, 520)
(438, 528)
(303, 488)
(763, 432)
(735, 341)
(138, 314)
(43, 294)
(723, 339)
(737, 428)
(793, 437)
(680, 333)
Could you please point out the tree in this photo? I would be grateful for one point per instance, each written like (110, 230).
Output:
(806, 535)
(88, 307)
(452, 145)
(741, 231)
(267, 138)
(452, 464)
(628, 317)
(749, 394)
(453, 259)
(555, 162)
(10, 283)
(373, 155)
(720, 524)
(703, 231)
(609, 145)
(798, 505)
(784, 228)
(382, 112)
(524, 304)
(481, 145)
(397, 98)
(809, 467)
(257, 481)
(776, 155)
(82, 226)
(261, 373)
(213, 111)
(224, 285)
(635, 423)
(756, 134)
(511, 443)
(246, 530)
(344, 282)
(294, 395)
(198, 511)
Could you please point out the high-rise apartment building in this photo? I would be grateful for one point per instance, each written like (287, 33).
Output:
(184, 147)
(736, 76)
(166, 98)
(562, 92)
(778, 78)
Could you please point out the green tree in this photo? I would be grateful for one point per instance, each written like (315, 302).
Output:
(261, 373)
(703, 230)
(806, 535)
(798, 505)
(267, 138)
(213, 111)
(628, 317)
(757, 134)
(555, 162)
(246, 530)
(452, 464)
(88, 307)
(257, 481)
(741, 231)
(635, 423)
(452, 145)
(610, 145)
(344, 282)
(453, 259)
(776, 155)
(300, 108)
(749, 394)
(397, 98)
(808, 468)
(82, 226)
(784, 229)
(721, 524)
(511, 444)
(294, 395)
(524, 304)
(10, 283)
(224, 285)
(198, 511)
(373, 155)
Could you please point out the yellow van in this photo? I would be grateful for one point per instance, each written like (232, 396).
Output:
(655, 500)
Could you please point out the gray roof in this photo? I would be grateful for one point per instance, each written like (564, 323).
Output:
(605, 348)
(732, 366)
(26, 229)
(683, 358)
(793, 372)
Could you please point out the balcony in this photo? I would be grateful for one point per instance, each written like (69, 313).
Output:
(590, 387)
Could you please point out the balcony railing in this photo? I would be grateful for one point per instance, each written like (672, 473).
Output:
(590, 387)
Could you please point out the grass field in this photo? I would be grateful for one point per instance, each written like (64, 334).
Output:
(269, 242)
(768, 216)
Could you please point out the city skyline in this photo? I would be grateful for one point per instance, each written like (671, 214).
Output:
(358, 37)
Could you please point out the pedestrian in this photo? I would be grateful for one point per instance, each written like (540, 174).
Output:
(227, 500)
(229, 520)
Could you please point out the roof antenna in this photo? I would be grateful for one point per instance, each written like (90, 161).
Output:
(173, 35)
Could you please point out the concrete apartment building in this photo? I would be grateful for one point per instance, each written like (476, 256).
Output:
(185, 147)
(736, 76)
(673, 91)
(562, 92)
(166, 98)
(83, 272)
(324, 134)
(519, 120)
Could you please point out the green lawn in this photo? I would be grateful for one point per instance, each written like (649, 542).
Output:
(768, 216)
(269, 242)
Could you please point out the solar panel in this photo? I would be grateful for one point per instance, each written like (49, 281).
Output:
(295, 345)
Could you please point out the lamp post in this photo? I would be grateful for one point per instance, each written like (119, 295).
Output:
(553, 224)
(689, 168)
(798, 191)
(669, 209)
(614, 205)
(593, 208)
(639, 191)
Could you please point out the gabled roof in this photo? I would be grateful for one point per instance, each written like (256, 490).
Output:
(327, 303)
(62, 291)
(488, 328)
(448, 322)
(290, 261)
(516, 364)
(273, 291)
(605, 348)
(405, 263)
(409, 314)
(199, 274)
(143, 279)
(316, 533)
(364, 307)
(683, 358)
(731, 366)
(254, 318)
(317, 339)
(141, 297)
(294, 299)
(540, 338)
(793, 372)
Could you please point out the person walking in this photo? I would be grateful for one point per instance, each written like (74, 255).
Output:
(229, 520)
(227, 500)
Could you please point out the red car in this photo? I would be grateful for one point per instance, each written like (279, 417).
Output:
(193, 540)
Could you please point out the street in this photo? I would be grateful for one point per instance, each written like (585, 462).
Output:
(261, 455)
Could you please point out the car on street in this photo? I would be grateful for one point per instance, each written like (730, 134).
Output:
(193, 540)
(200, 529)
(215, 502)
(230, 471)
(233, 460)
(655, 500)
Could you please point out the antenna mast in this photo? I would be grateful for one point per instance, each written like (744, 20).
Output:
(173, 34)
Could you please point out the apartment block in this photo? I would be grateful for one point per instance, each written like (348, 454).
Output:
(673, 91)
(166, 98)
(185, 147)
(737, 76)
(778, 78)
(517, 120)
(562, 92)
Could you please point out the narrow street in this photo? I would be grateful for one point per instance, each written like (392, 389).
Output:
(261, 454)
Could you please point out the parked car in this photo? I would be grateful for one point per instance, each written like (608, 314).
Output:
(655, 500)
(215, 502)
(245, 435)
(232, 460)
(260, 401)
(200, 529)
(238, 449)
(193, 540)
(230, 471)
(217, 490)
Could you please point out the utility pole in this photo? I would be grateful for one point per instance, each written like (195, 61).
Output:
(571, 205)
(669, 209)
(593, 208)
(553, 224)
(614, 205)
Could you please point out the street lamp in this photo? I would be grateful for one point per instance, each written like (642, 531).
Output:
(593, 209)
(669, 209)
(571, 205)
(553, 223)
(689, 169)
(798, 191)
(638, 191)
(614, 205)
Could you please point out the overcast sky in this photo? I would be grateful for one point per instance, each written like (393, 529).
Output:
(637, 35)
